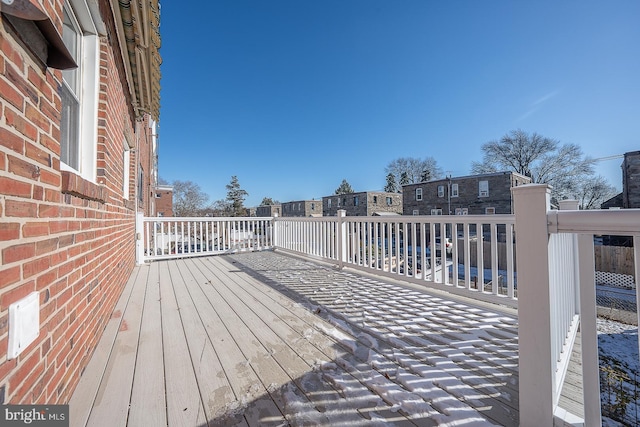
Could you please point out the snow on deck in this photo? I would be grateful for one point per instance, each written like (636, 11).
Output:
(263, 339)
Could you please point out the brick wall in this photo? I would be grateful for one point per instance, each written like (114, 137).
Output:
(631, 180)
(364, 203)
(69, 239)
(164, 202)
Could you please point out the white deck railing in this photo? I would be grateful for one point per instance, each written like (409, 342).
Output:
(481, 262)
(557, 293)
(163, 238)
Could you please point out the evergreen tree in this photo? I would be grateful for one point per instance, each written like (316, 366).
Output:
(391, 186)
(345, 188)
(235, 197)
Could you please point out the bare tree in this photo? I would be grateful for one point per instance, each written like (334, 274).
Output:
(411, 170)
(268, 201)
(188, 198)
(594, 191)
(542, 159)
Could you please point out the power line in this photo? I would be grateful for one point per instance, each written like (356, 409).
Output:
(602, 159)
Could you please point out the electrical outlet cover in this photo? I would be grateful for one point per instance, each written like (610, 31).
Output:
(24, 324)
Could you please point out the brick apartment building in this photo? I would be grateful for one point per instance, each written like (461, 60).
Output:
(304, 208)
(466, 195)
(164, 200)
(77, 160)
(365, 203)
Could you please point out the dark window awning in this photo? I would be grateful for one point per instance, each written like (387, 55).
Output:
(37, 31)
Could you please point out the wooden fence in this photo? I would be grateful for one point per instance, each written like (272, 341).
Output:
(614, 259)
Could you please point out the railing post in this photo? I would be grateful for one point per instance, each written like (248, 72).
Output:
(536, 367)
(274, 231)
(342, 238)
(139, 238)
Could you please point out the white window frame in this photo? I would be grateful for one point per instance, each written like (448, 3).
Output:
(87, 90)
(490, 211)
(440, 190)
(418, 194)
(416, 212)
(126, 165)
(436, 211)
(356, 201)
(454, 190)
(329, 203)
(462, 211)
(389, 201)
(483, 188)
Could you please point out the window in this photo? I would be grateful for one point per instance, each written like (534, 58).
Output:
(440, 190)
(436, 211)
(299, 207)
(313, 206)
(375, 200)
(389, 201)
(483, 188)
(126, 163)
(344, 201)
(462, 211)
(355, 200)
(329, 203)
(490, 211)
(79, 92)
(416, 212)
(338, 201)
(141, 185)
(418, 194)
(454, 190)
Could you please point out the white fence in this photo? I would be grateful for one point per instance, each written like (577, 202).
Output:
(557, 291)
(411, 248)
(163, 238)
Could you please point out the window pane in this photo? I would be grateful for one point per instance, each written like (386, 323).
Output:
(69, 143)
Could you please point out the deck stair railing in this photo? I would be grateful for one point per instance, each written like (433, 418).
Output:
(557, 298)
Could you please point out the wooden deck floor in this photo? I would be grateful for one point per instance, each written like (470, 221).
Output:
(265, 339)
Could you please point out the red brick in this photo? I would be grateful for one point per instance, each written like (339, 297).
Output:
(9, 276)
(7, 367)
(36, 117)
(51, 144)
(21, 125)
(45, 246)
(23, 168)
(24, 369)
(52, 195)
(46, 279)
(48, 211)
(18, 252)
(38, 193)
(37, 154)
(58, 226)
(15, 208)
(9, 231)
(33, 229)
(34, 267)
(3, 161)
(16, 294)
(13, 187)
(11, 95)
(50, 178)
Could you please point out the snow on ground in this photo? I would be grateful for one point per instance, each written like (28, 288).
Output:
(620, 367)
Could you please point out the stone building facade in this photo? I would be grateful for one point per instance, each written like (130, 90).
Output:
(269, 210)
(466, 195)
(629, 198)
(303, 208)
(365, 203)
(77, 160)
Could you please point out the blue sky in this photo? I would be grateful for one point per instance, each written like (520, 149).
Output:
(293, 96)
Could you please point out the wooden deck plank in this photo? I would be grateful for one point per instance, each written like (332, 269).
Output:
(297, 355)
(111, 406)
(237, 367)
(82, 400)
(184, 406)
(215, 390)
(148, 404)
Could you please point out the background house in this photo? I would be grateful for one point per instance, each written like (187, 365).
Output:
(629, 198)
(304, 208)
(78, 158)
(268, 210)
(466, 195)
(365, 203)
(164, 200)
